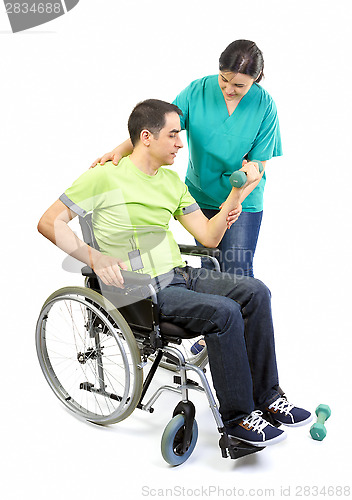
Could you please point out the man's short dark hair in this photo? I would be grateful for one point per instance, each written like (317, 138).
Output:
(149, 115)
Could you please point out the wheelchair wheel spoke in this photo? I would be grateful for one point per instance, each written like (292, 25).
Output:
(88, 355)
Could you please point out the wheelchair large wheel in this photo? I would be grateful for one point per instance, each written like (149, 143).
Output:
(172, 439)
(89, 355)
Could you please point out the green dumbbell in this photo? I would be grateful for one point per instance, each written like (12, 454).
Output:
(318, 431)
(239, 178)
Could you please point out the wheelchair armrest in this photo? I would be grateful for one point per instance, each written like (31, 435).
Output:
(130, 278)
(201, 251)
(88, 272)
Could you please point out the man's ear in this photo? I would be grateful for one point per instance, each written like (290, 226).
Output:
(145, 137)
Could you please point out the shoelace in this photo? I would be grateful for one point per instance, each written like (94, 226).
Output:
(281, 405)
(256, 421)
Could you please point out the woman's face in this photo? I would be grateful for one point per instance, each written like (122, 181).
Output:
(234, 85)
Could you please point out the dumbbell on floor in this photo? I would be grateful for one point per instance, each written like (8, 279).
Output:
(318, 431)
(239, 178)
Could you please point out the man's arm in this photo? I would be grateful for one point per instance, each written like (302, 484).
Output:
(247, 190)
(54, 226)
(209, 232)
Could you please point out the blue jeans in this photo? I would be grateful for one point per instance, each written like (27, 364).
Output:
(233, 313)
(238, 245)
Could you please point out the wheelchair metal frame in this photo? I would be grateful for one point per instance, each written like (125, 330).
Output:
(180, 440)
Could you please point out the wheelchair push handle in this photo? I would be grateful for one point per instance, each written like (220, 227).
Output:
(239, 178)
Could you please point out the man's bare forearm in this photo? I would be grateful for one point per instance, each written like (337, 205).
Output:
(248, 189)
(59, 233)
(217, 225)
(54, 226)
(209, 232)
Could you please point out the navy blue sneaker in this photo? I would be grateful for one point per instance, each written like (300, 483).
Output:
(256, 431)
(197, 347)
(288, 414)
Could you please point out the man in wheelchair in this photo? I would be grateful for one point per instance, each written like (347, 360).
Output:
(132, 204)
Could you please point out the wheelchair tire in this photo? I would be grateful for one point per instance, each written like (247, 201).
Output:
(172, 437)
(89, 355)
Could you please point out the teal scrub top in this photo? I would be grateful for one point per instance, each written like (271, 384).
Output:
(218, 142)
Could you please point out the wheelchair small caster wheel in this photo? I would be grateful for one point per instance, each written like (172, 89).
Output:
(172, 439)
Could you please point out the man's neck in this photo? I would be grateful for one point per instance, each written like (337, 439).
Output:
(144, 163)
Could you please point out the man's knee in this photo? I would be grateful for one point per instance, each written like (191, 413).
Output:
(260, 292)
(226, 314)
(263, 289)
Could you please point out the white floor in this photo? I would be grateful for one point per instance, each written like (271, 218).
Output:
(49, 453)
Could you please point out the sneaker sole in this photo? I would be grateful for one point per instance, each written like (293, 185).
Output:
(275, 440)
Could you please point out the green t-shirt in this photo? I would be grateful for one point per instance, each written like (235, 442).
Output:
(131, 213)
(218, 142)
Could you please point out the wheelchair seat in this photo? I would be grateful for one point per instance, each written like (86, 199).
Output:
(171, 331)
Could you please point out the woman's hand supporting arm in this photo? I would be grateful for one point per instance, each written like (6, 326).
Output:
(116, 154)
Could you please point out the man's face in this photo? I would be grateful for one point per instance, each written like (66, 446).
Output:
(165, 146)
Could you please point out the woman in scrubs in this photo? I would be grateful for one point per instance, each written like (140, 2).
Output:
(229, 119)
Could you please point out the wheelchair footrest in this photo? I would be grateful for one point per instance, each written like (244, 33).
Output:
(235, 448)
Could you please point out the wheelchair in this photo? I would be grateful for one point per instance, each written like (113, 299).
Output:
(93, 345)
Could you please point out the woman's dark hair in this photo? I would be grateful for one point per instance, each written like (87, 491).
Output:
(149, 115)
(243, 56)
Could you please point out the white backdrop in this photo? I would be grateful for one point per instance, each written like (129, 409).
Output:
(67, 88)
